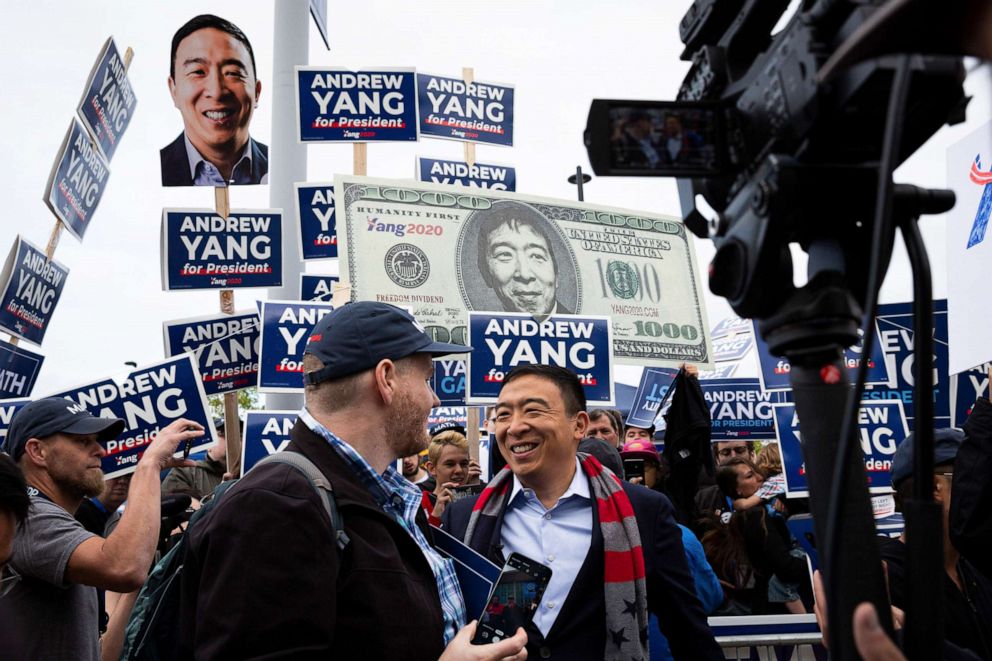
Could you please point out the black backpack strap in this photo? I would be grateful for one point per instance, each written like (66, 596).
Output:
(321, 484)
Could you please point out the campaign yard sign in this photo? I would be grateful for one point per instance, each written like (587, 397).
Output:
(732, 347)
(447, 414)
(317, 287)
(148, 401)
(895, 335)
(968, 386)
(580, 343)
(8, 407)
(337, 105)
(318, 230)
(265, 433)
(452, 109)
(651, 391)
(477, 175)
(225, 348)
(286, 325)
(202, 250)
(32, 286)
(19, 370)
(724, 371)
(730, 326)
(774, 370)
(740, 409)
(108, 100)
(449, 381)
(882, 426)
(77, 181)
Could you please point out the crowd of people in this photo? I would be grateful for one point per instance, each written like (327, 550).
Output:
(636, 539)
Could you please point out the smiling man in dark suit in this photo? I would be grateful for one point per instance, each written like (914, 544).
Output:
(613, 547)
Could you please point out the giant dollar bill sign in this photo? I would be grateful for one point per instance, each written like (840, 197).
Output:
(443, 250)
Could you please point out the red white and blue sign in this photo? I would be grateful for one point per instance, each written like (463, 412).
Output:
(203, 250)
(453, 109)
(775, 370)
(148, 401)
(337, 105)
(265, 433)
(969, 386)
(318, 229)
(882, 426)
(19, 370)
(8, 408)
(895, 337)
(108, 100)
(317, 287)
(77, 180)
(740, 409)
(225, 348)
(477, 175)
(32, 286)
(286, 325)
(449, 381)
(981, 223)
(501, 341)
(447, 414)
(651, 391)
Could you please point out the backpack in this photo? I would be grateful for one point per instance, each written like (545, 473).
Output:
(152, 629)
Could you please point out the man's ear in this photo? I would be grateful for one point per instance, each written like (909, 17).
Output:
(35, 451)
(385, 377)
(581, 424)
(430, 468)
(258, 91)
(172, 91)
(940, 492)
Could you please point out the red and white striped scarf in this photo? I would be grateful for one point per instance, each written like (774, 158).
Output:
(625, 590)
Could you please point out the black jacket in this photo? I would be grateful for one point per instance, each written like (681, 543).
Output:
(175, 162)
(264, 579)
(687, 445)
(579, 631)
(971, 491)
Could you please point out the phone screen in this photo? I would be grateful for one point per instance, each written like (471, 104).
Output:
(633, 468)
(514, 599)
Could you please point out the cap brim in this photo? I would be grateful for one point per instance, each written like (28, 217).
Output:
(444, 349)
(104, 428)
(640, 454)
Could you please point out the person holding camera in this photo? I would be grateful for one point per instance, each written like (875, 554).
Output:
(449, 464)
(59, 446)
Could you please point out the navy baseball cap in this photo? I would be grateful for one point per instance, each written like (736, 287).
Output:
(357, 336)
(946, 442)
(53, 415)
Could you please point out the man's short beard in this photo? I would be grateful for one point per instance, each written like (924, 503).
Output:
(407, 429)
(87, 485)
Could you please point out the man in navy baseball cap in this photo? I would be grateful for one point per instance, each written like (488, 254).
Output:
(45, 417)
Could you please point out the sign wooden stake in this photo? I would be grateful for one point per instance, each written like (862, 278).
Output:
(360, 158)
(468, 74)
(232, 423)
(472, 429)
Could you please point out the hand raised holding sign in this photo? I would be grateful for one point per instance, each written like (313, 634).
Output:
(166, 442)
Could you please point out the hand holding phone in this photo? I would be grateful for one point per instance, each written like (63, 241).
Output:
(513, 600)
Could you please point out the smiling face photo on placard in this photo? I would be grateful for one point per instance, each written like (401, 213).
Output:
(214, 86)
(525, 264)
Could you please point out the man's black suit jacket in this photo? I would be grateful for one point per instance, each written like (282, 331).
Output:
(579, 631)
(175, 162)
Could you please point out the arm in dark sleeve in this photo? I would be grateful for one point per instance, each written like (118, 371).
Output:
(671, 590)
(260, 580)
(971, 491)
(774, 547)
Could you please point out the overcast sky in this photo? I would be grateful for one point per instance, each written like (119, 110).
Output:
(559, 55)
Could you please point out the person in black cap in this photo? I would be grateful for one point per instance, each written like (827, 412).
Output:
(203, 477)
(58, 445)
(967, 593)
(292, 593)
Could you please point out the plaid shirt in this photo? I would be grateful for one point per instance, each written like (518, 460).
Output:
(401, 500)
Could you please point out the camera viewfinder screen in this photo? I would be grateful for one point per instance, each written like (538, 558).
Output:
(663, 139)
(513, 602)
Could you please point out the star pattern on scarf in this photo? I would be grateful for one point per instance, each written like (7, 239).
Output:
(618, 638)
(630, 608)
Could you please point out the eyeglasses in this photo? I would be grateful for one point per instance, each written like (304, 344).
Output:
(9, 579)
(739, 450)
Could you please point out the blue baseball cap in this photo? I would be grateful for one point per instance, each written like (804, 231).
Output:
(357, 336)
(946, 442)
(54, 415)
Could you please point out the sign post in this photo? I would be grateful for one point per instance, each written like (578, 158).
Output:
(232, 433)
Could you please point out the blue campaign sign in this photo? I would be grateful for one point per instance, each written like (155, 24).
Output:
(445, 414)
(318, 229)
(337, 105)
(724, 371)
(202, 250)
(32, 286)
(477, 175)
(148, 401)
(732, 347)
(8, 407)
(473, 112)
(739, 409)
(265, 433)
(651, 391)
(882, 426)
(317, 287)
(225, 348)
(969, 386)
(774, 371)
(581, 343)
(286, 325)
(77, 180)
(449, 381)
(19, 370)
(730, 326)
(895, 335)
(108, 100)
